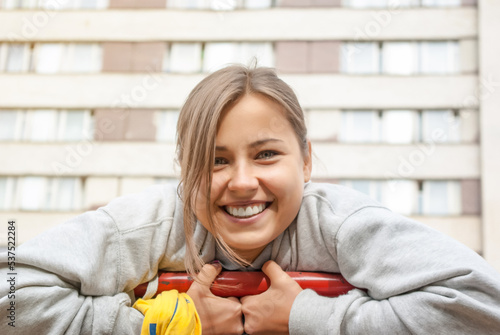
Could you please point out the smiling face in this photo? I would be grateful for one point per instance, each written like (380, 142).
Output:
(258, 175)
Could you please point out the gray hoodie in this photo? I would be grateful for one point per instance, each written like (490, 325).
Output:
(74, 278)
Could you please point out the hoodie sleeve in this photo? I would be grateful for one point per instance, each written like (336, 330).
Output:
(417, 281)
(73, 279)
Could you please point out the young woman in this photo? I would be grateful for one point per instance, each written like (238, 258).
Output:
(246, 200)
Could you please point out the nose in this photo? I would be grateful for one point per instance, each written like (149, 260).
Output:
(243, 179)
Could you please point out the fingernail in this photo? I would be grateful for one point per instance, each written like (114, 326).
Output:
(216, 263)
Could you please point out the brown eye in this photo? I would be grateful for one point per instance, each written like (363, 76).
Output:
(220, 161)
(268, 154)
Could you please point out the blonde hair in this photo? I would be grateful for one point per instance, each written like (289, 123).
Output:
(197, 129)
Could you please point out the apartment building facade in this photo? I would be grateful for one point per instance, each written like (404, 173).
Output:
(401, 98)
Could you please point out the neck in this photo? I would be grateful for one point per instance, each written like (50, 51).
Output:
(249, 255)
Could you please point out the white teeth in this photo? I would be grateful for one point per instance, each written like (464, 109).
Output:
(245, 211)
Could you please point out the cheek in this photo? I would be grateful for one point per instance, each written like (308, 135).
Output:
(219, 181)
(287, 187)
(201, 211)
(286, 179)
(201, 199)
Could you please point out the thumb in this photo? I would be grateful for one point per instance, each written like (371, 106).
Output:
(208, 273)
(274, 272)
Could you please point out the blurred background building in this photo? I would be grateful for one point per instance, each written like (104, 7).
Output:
(401, 99)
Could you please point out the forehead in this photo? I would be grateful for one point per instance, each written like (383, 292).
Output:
(256, 111)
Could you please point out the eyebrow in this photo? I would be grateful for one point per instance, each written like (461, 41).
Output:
(253, 144)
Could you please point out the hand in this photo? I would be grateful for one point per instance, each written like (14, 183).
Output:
(268, 312)
(218, 315)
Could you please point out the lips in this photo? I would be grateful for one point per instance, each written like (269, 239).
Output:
(245, 211)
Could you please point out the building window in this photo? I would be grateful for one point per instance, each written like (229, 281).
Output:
(224, 5)
(323, 125)
(400, 196)
(166, 126)
(440, 126)
(18, 4)
(91, 4)
(405, 126)
(184, 58)
(41, 126)
(435, 198)
(365, 3)
(55, 5)
(83, 58)
(11, 125)
(360, 127)
(440, 198)
(360, 58)
(7, 192)
(400, 58)
(15, 57)
(188, 4)
(195, 58)
(439, 57)
(257, 4)
(441, 3)
(399, 3)
(219, 5)
(399, 126)
(36, 193)
(50, 58)
(74, 126)
(32, 195)
(65, 194)
(45, 125)
(371, 188)
(219, 55)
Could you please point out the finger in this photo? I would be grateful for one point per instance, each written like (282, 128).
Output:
(234, 299)
(245, 298)
(208, 274)
(274, 271)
